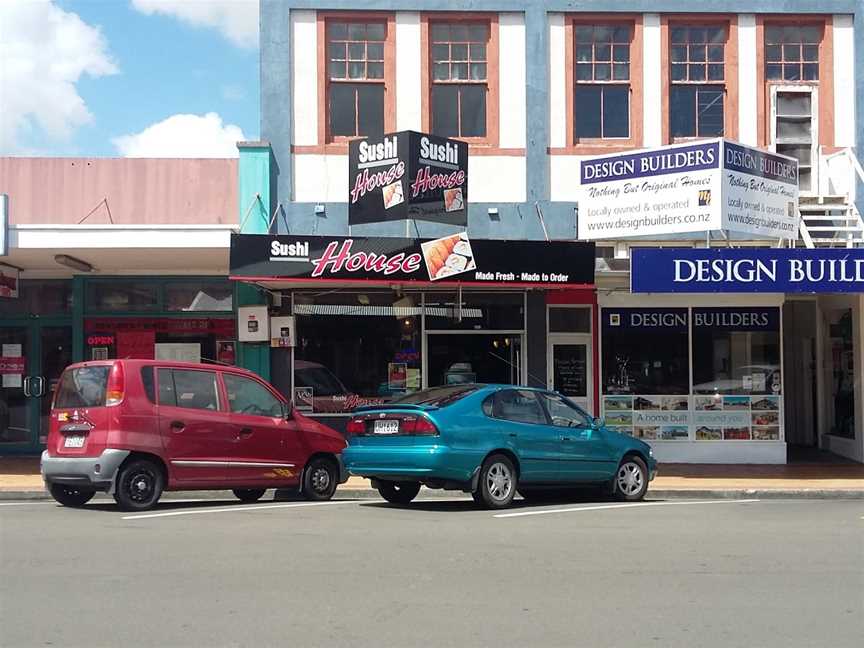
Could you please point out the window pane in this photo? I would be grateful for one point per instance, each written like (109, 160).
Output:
(715, 71)
(518, 406)
(246, 396)
(478, 51)
(715, 53)
(459, 33)
(459, 359)
(792, 52)
(773, 53)
(697, 53)
(441, 71)
(616, 111)
(342, 115)
(793, 103)
(811, 52)
(473, 111)
(561, 412)
(195, 389)
(583, 53)
(682, 111)
(679, 54)
(375, 70)
(679, 72)
(679, 34)
(584, 34)
(773, 72)
(337, 51)
(587, 100)
(794, 129)
(716, 34)
(478, 71)
(458, 52)
(602, 52)
(357, 51)
(370, 103)
(198, 296)
(583, 71)
(811, 34)
(491, 311)
(792, 72)
(773, 34)
(621, 34)
(620, 72)
(459, 71)
(122, 296)
(440, 32)
(810, 71)
(710, 112)
(478, 32)
(39, 297)
(375, 31)
(696, 72)
(352, 349)
(338, 70)
(337, 30)
(621, 53)
(602, 34)
(375, 51)
(445, 103)
(356, 31)
(569, 320)
(167, 395)
(697, 35)
(356, 70)
(440, 53)
(602, 72)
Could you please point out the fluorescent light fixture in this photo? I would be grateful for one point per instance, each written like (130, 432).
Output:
(72, 262)
(320, 209)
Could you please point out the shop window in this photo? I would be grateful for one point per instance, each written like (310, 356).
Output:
(355, 349)
(569, 320)
(457, 358)
(120, 296)
(199, 296)
(602, 84)
(356, 80)
(792, 52)
(188, 388)
(460, 78)
(247, 396)
(698, 74)
(841, 406)
(477, 311)
(39, 297)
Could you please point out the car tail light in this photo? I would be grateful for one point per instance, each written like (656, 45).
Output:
(355, 426)
(420, 426)
(116, 385)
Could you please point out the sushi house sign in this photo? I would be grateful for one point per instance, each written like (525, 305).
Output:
(408, 175)
(451, 259)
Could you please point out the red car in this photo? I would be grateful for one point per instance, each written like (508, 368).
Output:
(136, 428)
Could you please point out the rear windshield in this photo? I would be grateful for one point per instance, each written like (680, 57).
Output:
(82, 387)
(437, 396)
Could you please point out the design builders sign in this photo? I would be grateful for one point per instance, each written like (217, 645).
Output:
(454, 258)
(743, 270)
(408, 175)
(710, 185)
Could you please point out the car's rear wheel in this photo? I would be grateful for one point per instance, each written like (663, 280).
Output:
(631, 480)
(249, 494)
(320, 479)
(498, 482)
(139, 485)
(71, 495)
(401, 492)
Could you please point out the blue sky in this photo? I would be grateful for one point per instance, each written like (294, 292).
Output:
(146, 67)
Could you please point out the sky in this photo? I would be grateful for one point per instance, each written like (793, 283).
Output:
(128, 78)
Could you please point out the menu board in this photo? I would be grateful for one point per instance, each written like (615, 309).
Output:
(569, 363)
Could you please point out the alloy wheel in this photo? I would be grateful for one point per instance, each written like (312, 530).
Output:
(630, 478)
(499, 481)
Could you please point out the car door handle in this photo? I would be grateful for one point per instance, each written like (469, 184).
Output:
(513, 434)
(565, 438)
(245, 432)
(177, 426)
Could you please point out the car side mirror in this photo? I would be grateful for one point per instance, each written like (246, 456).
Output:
(288, 410)
(597, 423)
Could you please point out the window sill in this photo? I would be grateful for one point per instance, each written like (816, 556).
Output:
(332, 148)
(595, 148)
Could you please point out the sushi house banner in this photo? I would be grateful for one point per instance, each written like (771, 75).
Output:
(698, 187)
(408, 175)
(453, 258)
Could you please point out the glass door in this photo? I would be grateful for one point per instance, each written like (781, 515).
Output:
(55, 354)
(15, 411)
(793, 130)
(568, 367)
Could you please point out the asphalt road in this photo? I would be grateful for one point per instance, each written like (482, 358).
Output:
(439, 573)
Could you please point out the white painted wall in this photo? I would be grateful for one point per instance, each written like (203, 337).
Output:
(557, 82)
(652, 71)
(511, 82)
(320, 178)
(747, 86)
(496, 179)
(408, 69)
(564, 177)
(844, 80)
(304, 29)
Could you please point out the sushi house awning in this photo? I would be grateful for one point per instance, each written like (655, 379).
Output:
(293, 261)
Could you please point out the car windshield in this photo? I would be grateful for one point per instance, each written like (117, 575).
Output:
(437, 396)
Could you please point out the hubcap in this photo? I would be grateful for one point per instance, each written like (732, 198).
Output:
(630, 478)
(499, 481)
(141, 486)
(320, 479)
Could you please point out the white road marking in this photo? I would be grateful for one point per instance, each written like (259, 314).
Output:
(24, 503)
(618, 506)
(232, 509)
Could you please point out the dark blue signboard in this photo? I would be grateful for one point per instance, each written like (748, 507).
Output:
(746, 270)
(696, 157)
(737, 319)
(646, 318)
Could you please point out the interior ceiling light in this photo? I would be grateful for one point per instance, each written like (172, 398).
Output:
(72, 262)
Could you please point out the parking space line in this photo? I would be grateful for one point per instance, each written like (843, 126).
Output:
(24, 503)
(618, 506)
(232, 509)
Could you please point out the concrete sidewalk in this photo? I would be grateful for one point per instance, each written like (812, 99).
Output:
(19, 479)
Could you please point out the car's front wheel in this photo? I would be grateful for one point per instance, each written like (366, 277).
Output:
(399, 492)
(631, 480)
(498, 482)
(320, 479)
(249, 495)
(71, 495)
(139, 485)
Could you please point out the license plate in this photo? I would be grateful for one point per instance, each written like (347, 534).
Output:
(386, 427)
(73, 442)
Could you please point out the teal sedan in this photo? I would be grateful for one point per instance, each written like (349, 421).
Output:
(492, 441)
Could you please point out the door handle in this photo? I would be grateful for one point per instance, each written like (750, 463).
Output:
(40, 386)
(513, 434)
(27, 393)
(565, 438)
(245, 432)
(177, 426)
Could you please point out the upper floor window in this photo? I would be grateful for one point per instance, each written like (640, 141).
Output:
(698, 80)
(460, 78)
(355, 72)
(792, 52)
(601, 99)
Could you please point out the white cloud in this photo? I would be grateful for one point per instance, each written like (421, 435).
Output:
(44, 52)
(189, 136)
(236, 19)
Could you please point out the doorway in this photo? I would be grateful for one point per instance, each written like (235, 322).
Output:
(568, 368)
(32, 356)
(794, 127)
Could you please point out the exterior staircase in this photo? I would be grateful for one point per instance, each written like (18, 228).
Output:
(832, 219)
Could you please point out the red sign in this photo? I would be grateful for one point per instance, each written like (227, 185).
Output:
(136, 345)
(215, 326)
(14, 365)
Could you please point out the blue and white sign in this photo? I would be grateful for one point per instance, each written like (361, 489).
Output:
(695, 187)
(746, 270)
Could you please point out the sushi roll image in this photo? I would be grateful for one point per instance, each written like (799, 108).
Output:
(434, 260)
(463, 247)
(453, 199)
(445, 272)
(450, 243)
(392, 194)
(457, 262)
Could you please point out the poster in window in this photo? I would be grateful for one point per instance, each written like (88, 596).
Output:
(9, 278)
(304, 399)
(226, 352)
(397, 376)
(137, 345)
